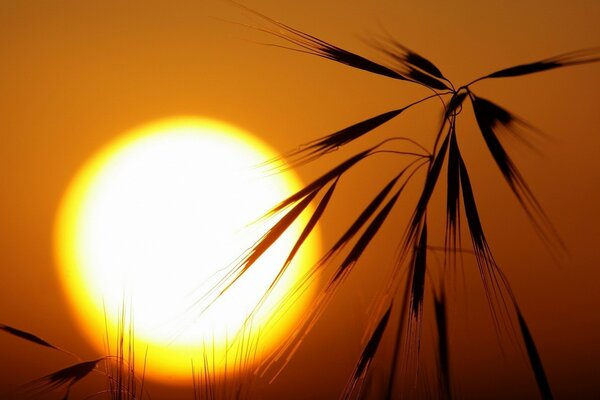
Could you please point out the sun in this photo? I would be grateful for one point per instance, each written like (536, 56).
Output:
(154, 221)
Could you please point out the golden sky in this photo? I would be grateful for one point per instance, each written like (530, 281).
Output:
(74, 75)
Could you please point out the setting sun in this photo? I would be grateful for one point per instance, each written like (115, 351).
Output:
(154, 221)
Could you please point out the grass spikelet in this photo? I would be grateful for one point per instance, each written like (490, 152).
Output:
(400, 64)
(306, 43)
(405, 64)
(335, 140)
(453, 195)
(419, 265)
(366, 357)
(407, 57)
(563, 60)
(320, 182)
(426, 80)
(64, 377)
(492, 278)
(415, 67)
(534, 358)
(488, 116)
(30, 337)
(361, 220)
(363, 241)
(421, 207)
(317, 148)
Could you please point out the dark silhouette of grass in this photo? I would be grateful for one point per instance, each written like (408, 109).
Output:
(118, 367)
(406, 65)
(410, 284)
(209, 379)
(233, 381)
(65, 377)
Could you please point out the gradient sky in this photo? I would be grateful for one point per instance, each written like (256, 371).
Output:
(75, 75)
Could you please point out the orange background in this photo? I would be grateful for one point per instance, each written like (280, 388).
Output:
(74, 75)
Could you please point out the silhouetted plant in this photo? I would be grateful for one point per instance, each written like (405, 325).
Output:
(411, 267)
(118, 366)
(407, 290)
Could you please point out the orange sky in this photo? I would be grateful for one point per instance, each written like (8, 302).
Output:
(74, 75)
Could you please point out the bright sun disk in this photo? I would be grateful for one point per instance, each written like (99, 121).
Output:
(154, 220)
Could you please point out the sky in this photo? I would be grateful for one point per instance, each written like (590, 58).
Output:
(75, 75)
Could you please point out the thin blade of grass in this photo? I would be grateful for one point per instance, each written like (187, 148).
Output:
(564, 60)
(497, 288)
(312, 45)
(426, 79)
(453, 186)
(359, 222)
(408, 58)
(488, 115)
(492, 277)
(388, 393)
(364, 240)
(524, 69)
(66, 376)
(422, 63)
(367, 355)
(320, 182)
(534, 358)
(421, 207)
(314, 219)
(269, 238)
(473, 221)
(417, 273)
(301, 199)
(27, 336)
(314, 149)
(335, 140)
(350, 59)
(292, 343)
(419, 266)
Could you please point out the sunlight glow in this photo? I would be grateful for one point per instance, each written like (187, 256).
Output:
(154, 220)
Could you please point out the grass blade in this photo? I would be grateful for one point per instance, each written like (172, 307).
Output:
(320, 182)
(364, 239)
(314, 219)
(361, 220)
(421, 208)
(525, 69)
(563, 60)
(427, 80)
(534, 359)
(422, 63)
(475, 228)
(492, 277)
(299, 202)
(27, 336)
(335, 140)
(266, 241)
(419, 266)
(453, 187)
(488, 115)
(66, 376)
(309, 44)
(409, 59)
(367, 355)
